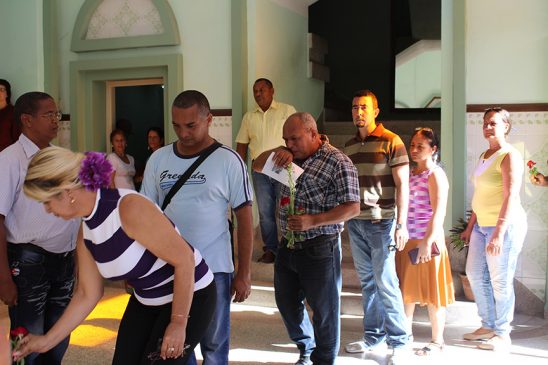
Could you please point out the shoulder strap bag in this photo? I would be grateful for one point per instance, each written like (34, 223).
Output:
(184, 177)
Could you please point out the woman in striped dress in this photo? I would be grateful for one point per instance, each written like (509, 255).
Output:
(427, 280)
(124, 236)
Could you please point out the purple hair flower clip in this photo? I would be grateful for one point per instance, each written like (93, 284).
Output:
(95, 171)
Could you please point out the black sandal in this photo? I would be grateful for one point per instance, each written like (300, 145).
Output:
(430, 349)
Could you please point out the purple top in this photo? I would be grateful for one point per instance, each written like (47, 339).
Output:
(420, 210)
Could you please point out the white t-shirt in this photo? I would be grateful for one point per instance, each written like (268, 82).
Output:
(124, 171)
(199, 207)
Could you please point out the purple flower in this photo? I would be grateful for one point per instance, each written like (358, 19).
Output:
(95, 171)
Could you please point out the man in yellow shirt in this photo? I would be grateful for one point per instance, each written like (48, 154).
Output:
(261, 130)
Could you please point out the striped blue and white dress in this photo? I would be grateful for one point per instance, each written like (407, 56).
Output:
(120, 257)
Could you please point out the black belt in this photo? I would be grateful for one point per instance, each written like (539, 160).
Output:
(309, 242)
(38, 249)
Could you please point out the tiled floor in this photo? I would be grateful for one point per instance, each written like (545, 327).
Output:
(259, 337)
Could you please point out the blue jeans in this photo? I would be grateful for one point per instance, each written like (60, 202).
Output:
(216, 341)
(384, 316)
(492, 277)
(44, 288)
(266, 191)
(312, 273)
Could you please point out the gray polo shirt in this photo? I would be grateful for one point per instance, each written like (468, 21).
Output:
(26, 219)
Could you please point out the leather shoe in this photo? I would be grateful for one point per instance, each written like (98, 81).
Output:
(267, 258)
(479, 334)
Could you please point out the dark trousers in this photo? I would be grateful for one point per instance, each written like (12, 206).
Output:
(311, 271)
(44, 283)
(142, 329)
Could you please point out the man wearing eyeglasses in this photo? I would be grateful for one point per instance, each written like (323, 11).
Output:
(36, 248)
(380, 229)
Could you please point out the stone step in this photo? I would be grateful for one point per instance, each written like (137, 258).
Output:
(262, 294)
(265, 273)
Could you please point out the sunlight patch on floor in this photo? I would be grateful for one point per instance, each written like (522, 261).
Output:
(110, 308)
(262, 357)
(89, 334)
(253, 308)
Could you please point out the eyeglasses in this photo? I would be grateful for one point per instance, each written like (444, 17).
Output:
(53, 116)
(392, 247)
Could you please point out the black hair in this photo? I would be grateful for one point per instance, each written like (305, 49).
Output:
(432, 138)
(28, 103)
(8, 89)
(159, 131)
(266, 81)
(365, 92)
(189, 98)
(115, 132)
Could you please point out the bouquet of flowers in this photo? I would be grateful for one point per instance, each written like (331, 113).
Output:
(16, 335)
(291, 236)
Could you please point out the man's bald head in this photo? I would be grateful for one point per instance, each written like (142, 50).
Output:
(301, 135)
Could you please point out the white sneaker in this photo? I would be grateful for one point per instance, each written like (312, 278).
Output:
(360, 347)
(400, 355)
(357, 347)
(497, 343)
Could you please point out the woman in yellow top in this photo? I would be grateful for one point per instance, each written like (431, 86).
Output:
(495, 232)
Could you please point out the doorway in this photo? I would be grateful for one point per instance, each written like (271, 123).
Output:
(88, 105)
(135, 106)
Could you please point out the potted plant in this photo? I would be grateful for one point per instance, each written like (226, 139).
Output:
(459, 245)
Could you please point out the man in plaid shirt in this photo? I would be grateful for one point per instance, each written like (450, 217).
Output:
(327, 194)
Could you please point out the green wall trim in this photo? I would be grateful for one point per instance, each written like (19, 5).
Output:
(453, 110)
(88, 81)
(80, 44)
(51, 50)
(239, 63)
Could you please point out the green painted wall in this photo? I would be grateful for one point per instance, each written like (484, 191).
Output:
(205, 45)
(453, 107)
(21, 45)
(277, 50)
(507, 51)
(207, 35)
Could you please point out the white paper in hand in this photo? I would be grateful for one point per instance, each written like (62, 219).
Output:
(280, 173)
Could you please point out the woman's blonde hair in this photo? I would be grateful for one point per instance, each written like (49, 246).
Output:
(51, 171)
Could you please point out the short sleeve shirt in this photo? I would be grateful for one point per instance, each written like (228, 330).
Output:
(199, 209)
(263, 130)
(329, 179)
(375, 157)
(26, 220)
(124, 171)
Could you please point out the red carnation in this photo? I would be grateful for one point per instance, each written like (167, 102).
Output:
(18, 332)
(531, 163)
(16, 335)
(284, 201)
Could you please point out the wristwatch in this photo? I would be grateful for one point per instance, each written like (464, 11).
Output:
(398, 226)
